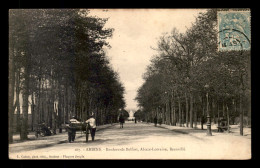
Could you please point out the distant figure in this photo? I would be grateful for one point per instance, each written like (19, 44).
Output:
(121, 120)
(160, 121)
(92, 123)
(135, 120)
(203, 121)
(155, 121)
(72, 129)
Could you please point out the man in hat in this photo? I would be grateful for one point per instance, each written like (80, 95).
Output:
(121, 120)
(72, 129)
(92, 123)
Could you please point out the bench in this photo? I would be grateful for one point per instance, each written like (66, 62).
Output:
(223, 126)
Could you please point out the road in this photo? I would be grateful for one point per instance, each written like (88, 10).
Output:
(138, 141)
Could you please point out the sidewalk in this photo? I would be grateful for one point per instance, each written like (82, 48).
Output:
(42, 142)
(198, 132)
(54, 138)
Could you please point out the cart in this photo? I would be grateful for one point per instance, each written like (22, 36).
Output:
(82, 127)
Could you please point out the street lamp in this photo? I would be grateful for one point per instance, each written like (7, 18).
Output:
(208, 116)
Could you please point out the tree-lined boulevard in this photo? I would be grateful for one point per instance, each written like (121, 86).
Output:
(139, 141)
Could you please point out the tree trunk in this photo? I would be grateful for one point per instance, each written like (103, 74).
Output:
(235, 104)
(228, 118)
(168, 117)
(187, 110)
(11, 77)
(38, 114)
(203, 113)
(62, 109)
(218, 110)
(32, 111)
(18, 101)
(36, 109)
(191, 110)
(163, 112)
(241, 115)
(59, 109)
(54, 119)
(249, 88)
(102, 116)
(25, 104)
(203, 108)
(42, 109)
(49, 111)
(67, 104)
(70, 105)
(223, 109)
(195, 116)
(53, 106)
(213, 111)
(182, 116)
(174, 115)
(169, 114)
(171, 111)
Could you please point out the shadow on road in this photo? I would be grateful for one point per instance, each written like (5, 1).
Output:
(135, 132)
(113, 136)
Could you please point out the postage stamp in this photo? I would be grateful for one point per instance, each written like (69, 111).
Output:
(234, 30)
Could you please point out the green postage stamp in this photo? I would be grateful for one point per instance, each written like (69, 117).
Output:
(234, 30)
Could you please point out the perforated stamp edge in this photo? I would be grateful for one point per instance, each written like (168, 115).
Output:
(235, 10)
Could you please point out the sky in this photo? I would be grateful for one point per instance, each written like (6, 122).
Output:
(135, 32)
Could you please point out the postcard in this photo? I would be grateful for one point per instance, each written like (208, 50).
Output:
(129, 84)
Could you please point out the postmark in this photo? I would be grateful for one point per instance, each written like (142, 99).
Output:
(234, 30)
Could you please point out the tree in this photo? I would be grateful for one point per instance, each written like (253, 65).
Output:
(185, 63)
(62, 66)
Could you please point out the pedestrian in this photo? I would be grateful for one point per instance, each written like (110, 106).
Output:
(121, 121)
(92, 123)
(72, 129)
(155, 121)
(135, 120)
(160, 120)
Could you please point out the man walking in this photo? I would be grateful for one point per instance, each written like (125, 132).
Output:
(121, 120)
(92, 123)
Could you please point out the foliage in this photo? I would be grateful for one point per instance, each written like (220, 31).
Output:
(185, 64)
(59, 52)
